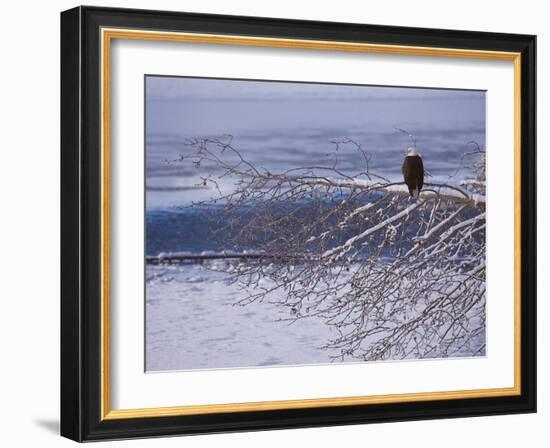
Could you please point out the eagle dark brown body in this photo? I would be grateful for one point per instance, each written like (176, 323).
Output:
(413, 173)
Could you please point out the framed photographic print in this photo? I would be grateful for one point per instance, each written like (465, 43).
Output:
(272, 223)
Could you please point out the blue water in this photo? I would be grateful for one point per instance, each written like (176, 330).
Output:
(276, 130)
(195, 230)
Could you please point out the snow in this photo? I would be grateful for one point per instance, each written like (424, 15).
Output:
(192, 323)
(205, 253)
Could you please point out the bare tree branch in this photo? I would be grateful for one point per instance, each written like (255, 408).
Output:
(395, 277)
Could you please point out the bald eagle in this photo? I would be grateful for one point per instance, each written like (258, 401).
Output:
(413, 172)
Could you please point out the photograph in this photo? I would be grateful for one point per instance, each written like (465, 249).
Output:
(300, 223)
(284, 220)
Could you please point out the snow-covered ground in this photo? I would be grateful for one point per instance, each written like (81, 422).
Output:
(192, 323)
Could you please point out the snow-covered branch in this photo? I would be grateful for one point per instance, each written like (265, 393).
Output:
(396, 277)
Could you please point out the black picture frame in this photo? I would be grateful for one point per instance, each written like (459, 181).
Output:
(81, 224)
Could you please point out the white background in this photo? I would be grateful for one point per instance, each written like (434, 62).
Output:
(29, 186)
(132, 388)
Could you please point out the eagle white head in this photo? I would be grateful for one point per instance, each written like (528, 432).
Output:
(411, 152)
